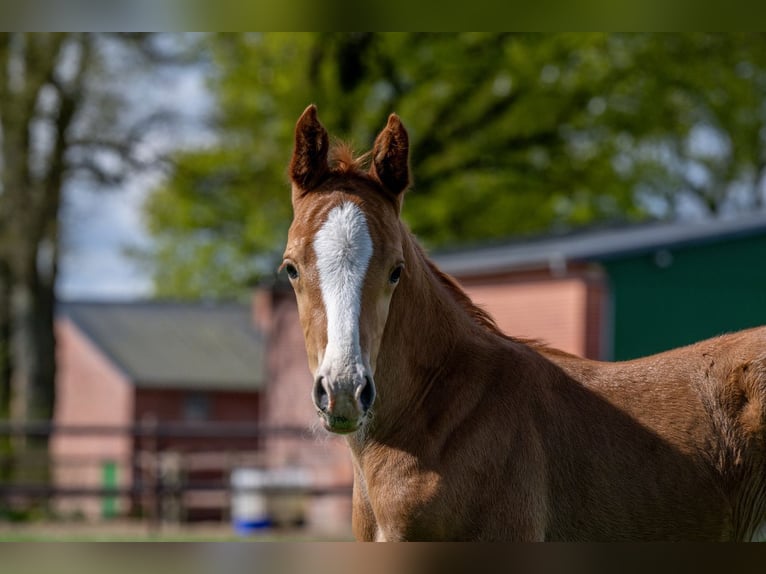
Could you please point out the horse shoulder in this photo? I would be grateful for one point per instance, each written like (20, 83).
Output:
(743, 390)
(738, 386)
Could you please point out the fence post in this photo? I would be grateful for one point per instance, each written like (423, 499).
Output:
(170, 477)
(153, 487)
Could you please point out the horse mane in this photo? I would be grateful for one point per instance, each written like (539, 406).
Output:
(480, 316)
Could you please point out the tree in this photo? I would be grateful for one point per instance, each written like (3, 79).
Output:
(511, 134)
(62, 120)
(712, 88)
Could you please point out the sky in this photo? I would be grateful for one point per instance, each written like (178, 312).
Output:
(100, 225)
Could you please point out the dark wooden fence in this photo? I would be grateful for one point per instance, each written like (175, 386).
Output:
(169, 464)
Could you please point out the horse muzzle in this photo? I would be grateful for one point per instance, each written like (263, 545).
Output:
(343, 405)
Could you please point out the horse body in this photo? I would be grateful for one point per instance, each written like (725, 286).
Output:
(474, 435)
(505, 440)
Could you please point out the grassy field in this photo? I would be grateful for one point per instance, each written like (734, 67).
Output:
(141, 532)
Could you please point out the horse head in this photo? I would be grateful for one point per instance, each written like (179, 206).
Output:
(344, 260)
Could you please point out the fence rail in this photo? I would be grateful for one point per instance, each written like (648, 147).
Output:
(211, 430)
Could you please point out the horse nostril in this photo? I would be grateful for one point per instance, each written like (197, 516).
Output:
(367, 396)
(321, 398)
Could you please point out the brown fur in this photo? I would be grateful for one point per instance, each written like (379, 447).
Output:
(479, 436)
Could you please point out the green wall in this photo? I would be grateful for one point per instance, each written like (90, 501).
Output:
(706, 290)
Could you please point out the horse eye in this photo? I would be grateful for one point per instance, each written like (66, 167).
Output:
(292, 272)
(395, 275)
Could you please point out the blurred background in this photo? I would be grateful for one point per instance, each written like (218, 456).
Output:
(604, 192)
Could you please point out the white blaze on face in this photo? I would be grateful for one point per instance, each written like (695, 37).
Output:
(343, 249)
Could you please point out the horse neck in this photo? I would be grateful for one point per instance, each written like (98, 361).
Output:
(427, 332)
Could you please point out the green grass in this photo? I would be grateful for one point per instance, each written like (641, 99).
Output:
(92, 533)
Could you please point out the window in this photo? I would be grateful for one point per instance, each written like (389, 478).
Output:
(197, 407)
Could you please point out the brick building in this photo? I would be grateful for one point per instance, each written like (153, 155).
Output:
(121, 364)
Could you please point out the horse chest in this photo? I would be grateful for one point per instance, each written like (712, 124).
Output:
(425, 505)
(405, 503)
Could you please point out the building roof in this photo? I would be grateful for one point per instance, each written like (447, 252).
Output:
(554, 251)
(176, 345)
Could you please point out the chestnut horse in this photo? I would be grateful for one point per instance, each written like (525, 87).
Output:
(459, 432)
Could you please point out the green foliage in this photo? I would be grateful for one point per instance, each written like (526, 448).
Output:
(221, 212)
(510, 133)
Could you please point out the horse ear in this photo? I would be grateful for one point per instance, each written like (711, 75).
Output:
(308, 165)
(390, 156)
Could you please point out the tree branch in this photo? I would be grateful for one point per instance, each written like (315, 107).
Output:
(5, 40)
(97, 172)
(49, 200)
(41, 60)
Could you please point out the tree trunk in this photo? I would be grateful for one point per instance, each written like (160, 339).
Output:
(6, 447)
(22, 344)
(45, 343)
(5, 342)
(32, 379)
(33, 350)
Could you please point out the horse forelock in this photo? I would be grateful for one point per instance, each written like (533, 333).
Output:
(343, 160)
(350, 173)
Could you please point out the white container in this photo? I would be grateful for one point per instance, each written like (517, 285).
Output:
(249, 503)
